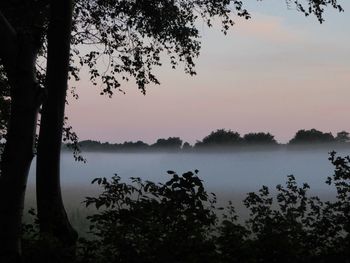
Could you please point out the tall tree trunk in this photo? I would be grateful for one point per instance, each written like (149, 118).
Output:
(18, 56)
(53, 218)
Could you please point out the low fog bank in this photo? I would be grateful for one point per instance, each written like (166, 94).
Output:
(223, 149)
(230, 175)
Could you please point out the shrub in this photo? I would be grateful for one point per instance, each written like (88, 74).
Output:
(148, 222)
(178, 221)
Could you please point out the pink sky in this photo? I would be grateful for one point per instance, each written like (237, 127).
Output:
(278, 73)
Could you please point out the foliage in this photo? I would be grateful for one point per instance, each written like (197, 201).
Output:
(170, 143)
(312, 136)
(341, 208)
(259, 138)
(217, 138)
(89, 145)
(132, 35)
(4, 104)
(220, 137)
(343, 137)
(314, 7)
(186, 146)
(292, 227)
(178, 221)
(148, 222)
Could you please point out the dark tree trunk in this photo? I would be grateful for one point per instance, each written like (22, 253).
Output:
(18, 55)
(52, 215)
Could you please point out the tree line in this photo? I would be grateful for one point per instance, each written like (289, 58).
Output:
(222, 138)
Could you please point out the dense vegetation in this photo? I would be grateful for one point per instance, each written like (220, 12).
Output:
(224, 139)
(179, 221)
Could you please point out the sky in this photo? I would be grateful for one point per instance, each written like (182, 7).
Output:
(278, 72)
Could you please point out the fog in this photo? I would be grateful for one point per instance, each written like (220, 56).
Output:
(230, 175)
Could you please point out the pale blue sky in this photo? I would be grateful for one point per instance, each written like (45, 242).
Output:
(278, 72)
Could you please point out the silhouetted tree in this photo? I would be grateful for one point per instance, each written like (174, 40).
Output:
(311, 136)
(259, 138)
(186, 146)
(220, 137)
(131, 34)
(173, 143)
(134, 146)
(343, 137)
(126, 146)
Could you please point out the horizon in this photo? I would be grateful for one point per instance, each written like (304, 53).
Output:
(279, 72)
(199, 140)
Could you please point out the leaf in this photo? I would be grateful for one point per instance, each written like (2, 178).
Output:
(94, 181)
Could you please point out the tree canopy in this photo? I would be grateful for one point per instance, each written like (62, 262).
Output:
(220, 137)
(170, 143)
(312, 136)
(259, 138)
(343, 137)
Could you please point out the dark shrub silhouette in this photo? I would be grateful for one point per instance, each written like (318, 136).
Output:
(148, 222)
(178, 221)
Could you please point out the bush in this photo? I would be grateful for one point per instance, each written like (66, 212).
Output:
(148, 222)
(178, 221)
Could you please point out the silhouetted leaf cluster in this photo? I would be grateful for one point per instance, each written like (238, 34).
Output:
(316, 8)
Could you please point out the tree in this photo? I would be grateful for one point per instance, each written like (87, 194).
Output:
(343, 137)
(173, 143)
(18, 50)
(220, 137)
(259, 138)
(311, 136)
(186, 146)
(132, 146)
(131, 34)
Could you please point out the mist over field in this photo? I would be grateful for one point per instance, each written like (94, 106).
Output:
(230, 175)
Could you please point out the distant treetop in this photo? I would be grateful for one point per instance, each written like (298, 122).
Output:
(170, 143)
(312, 136)
(343, 137)
(259, 138)
(221, 137)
